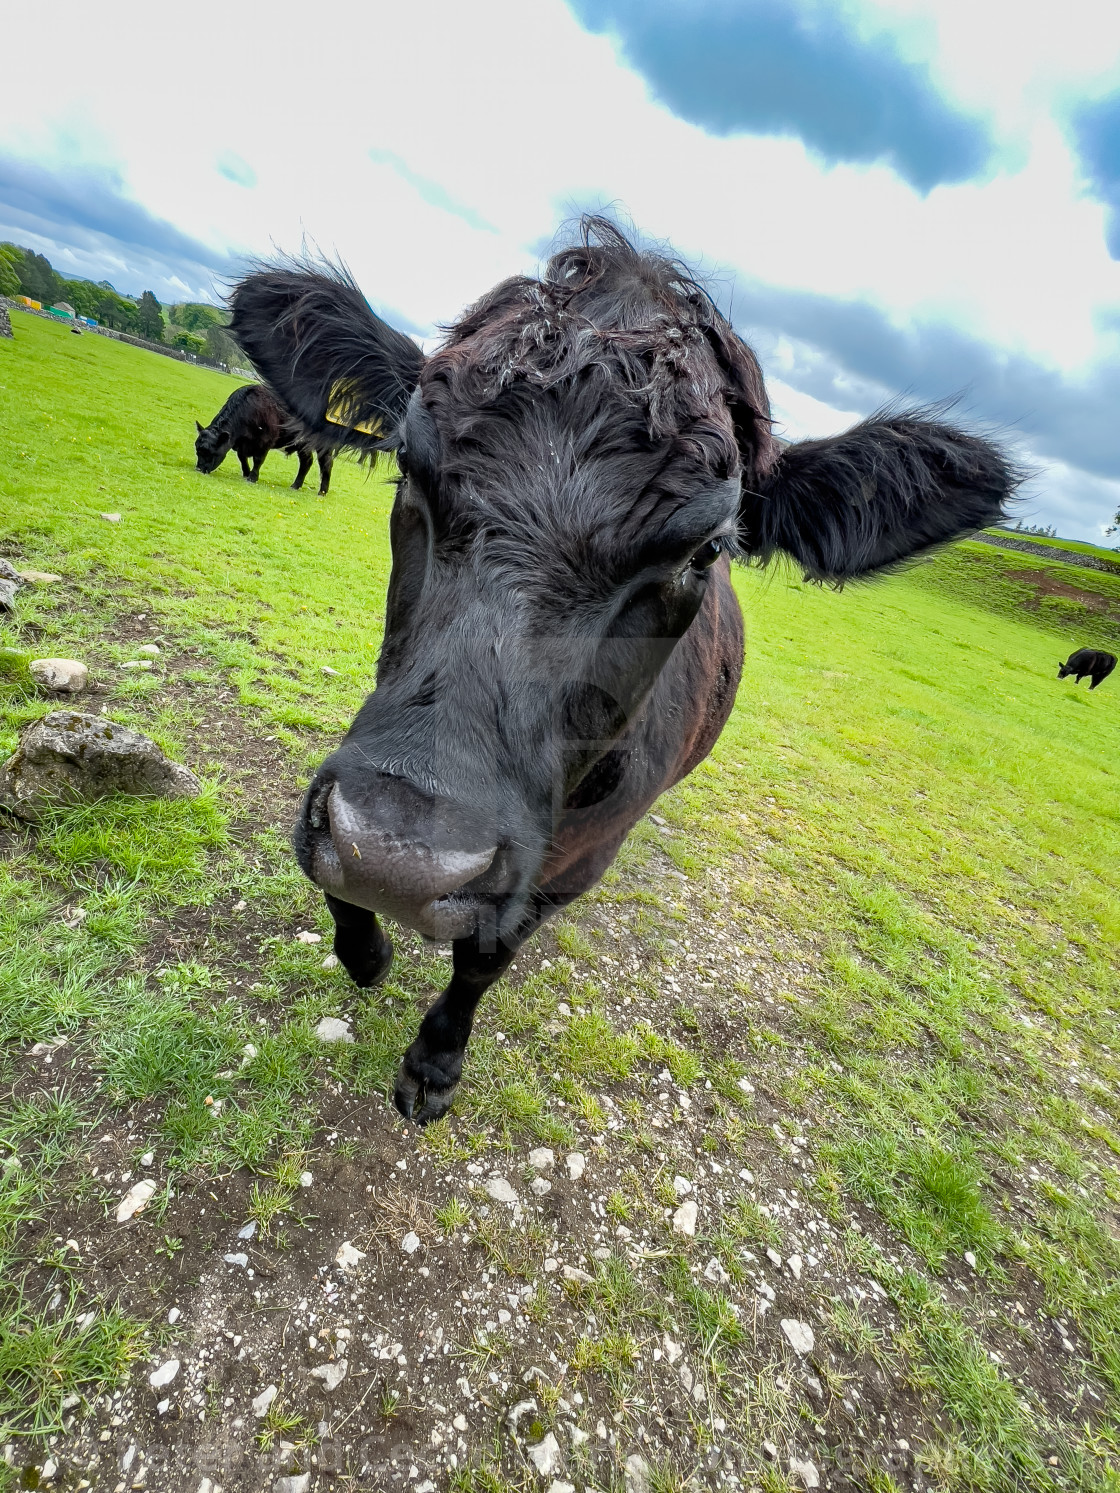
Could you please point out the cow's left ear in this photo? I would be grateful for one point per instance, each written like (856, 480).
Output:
(889, 488)
(345, 374)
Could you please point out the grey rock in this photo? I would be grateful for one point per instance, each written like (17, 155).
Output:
(799, 1335)
(546, 1456)
(806, 1471)
(8, 572)
(5, 323)
(636, 1472)
(500, 1189)
(331, 1374)
(333, 1029)
(67, 675)
(68, 757)
(684, 1219)
(264, 1400)
(298, 1483)
(7, 594)
(542, 1159)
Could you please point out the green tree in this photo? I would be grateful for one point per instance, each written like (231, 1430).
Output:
(83, 295)
(114, 311)
(221, 348)
(149, 317)
(37, 278)
(10, 256)
(196, 316)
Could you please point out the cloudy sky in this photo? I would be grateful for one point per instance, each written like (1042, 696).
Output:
(889, 196)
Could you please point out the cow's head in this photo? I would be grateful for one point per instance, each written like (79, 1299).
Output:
(576, 459)
(211, 447)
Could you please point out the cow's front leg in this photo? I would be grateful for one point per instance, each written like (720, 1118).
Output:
(245, 471)
(304, 468)
(363, 949)
(433, 1065)
(258, 462)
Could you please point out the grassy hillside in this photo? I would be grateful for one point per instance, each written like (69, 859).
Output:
(855, 985)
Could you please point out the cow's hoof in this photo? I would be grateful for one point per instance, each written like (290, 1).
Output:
(365, 966)
(424, 1090)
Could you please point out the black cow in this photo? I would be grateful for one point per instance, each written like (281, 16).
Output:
(1094, 662)
(253, 422)
(580, 461)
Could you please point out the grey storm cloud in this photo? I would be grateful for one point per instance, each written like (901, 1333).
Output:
(88, 211)
(851, 355)
(794, 68)
(1097, 136)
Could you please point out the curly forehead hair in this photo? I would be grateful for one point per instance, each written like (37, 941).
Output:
(636, 323)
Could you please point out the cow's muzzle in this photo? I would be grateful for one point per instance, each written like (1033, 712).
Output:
(382, 844)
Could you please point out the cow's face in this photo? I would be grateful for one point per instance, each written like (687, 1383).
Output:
(211, 447)
(576, 462)
(548, 554)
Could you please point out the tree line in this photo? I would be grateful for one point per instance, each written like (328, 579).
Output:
(191, 326)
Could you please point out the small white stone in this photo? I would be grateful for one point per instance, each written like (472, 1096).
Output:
(774, 1257)
(65, 675)
(48, 1469)
(545, 1456)
(577, 1164)
(460, 1422)
(160, 1378)
(305, 937)
(163, 1407)
(673, 1350)
(328, 670)
(38, 577)
(249, 1230)
(551, 1266)
(305, 1179)
(799, 1335)
(331, 1374)
(332, 1029)
(137, 663)
(573, 1272)
(263, 1401)
(682, 1186)
(500, 1189)
(542, 1159)
(515, 1412)
(298, 1482)
(238, 1258)
(684, 1219)
(248, 1054)
(806, 1471)
(147, 1158)
(715, 1272)
(111, 518)
(636, 1473)
(410, 1243)
(347, 1256)
(151, 649)
(331, 961)
(794, 1266)
(970, 1259)
(559, 1486)
(136, 1199)
(540, 1187)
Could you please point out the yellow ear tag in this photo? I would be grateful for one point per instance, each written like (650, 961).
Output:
(336, 412)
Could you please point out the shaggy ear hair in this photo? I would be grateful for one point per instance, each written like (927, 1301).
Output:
(891, 487)
(344, 373)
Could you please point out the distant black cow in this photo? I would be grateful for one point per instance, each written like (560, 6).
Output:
(1092, 661)
(253, 422)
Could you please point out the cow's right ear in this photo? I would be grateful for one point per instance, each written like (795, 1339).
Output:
(198, 427)
(345, 374)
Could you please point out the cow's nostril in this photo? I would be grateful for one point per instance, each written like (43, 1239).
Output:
(317, 816)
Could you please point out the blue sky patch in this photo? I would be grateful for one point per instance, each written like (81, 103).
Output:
(1097, 131)
(236, 169)
(430, 191)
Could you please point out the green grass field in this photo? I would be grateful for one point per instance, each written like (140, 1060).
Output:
(908, 818)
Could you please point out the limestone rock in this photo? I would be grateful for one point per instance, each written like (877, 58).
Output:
(546, 1456)
(334, 1029)
(68, 757)
(331, 1374)
(66, 675)
(8, 572)
(684, 1219)
(7, 594)
(799, 1335)
(137, 1198)
(38, 577)
(5, 323)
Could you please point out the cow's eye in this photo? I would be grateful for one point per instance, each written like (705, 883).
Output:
(707, 554)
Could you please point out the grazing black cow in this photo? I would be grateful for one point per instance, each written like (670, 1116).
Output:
(253, 422)
(580, 461)
(1093, 662)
